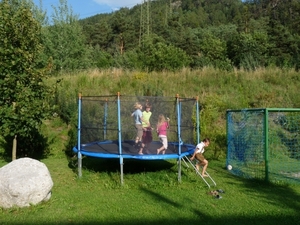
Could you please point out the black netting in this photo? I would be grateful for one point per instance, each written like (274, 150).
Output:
(99, 117)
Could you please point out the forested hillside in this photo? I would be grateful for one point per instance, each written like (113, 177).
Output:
(173, 34)
(169, 34)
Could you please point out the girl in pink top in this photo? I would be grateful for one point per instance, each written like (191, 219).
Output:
(161, 129)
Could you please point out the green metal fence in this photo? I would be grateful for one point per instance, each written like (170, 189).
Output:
(264, 143)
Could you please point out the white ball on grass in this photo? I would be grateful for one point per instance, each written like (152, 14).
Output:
(229, 167)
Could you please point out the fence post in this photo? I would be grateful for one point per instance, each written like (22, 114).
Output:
(266, 128)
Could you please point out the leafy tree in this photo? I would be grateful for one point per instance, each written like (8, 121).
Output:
(157, 55)
(23, 101)
(64, 40)
(38, 13)
(212, 50)
(189, 42)
(101, 34)
(101, 59)
(250, 50)
(125, 34)
(129, 60)
(195, 19)
(286, 46)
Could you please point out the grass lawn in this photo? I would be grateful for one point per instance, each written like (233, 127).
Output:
(152, 195)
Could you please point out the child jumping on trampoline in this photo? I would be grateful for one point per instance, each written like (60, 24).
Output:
(198, 154)
(147, 129)
(138, 118)
(161, 129)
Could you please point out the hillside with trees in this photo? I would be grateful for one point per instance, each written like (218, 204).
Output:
(173, 34)
(224, 34)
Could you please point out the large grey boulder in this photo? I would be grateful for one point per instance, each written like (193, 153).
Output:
(23, 182)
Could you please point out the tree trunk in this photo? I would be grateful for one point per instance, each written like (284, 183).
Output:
(14, 148)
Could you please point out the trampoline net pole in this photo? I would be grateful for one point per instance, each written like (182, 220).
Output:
(79, 136)
(179, 135)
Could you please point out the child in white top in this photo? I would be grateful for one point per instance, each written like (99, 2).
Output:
(198, 154)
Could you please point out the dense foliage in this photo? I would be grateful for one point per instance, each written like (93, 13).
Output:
(224, 34)
(64, 42)
(23, 93)
(172, 34)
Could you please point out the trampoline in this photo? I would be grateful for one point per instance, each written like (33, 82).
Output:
(106, 129)
(110, 149)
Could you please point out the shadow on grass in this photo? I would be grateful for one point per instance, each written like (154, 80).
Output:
(281, 195)
(198, 218)
(158, 197)
(130, 166)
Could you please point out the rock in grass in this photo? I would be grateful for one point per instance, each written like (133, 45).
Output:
(23, 182)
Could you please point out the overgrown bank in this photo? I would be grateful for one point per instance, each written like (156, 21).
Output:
(217, 91)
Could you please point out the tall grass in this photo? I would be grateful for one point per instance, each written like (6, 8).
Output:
(217, 91)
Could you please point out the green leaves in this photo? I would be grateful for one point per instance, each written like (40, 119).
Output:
(157, 55)
(64, 41)
(22, 89)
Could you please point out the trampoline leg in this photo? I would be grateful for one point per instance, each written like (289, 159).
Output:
(79, 156)
(179, 170)
(121, 169)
